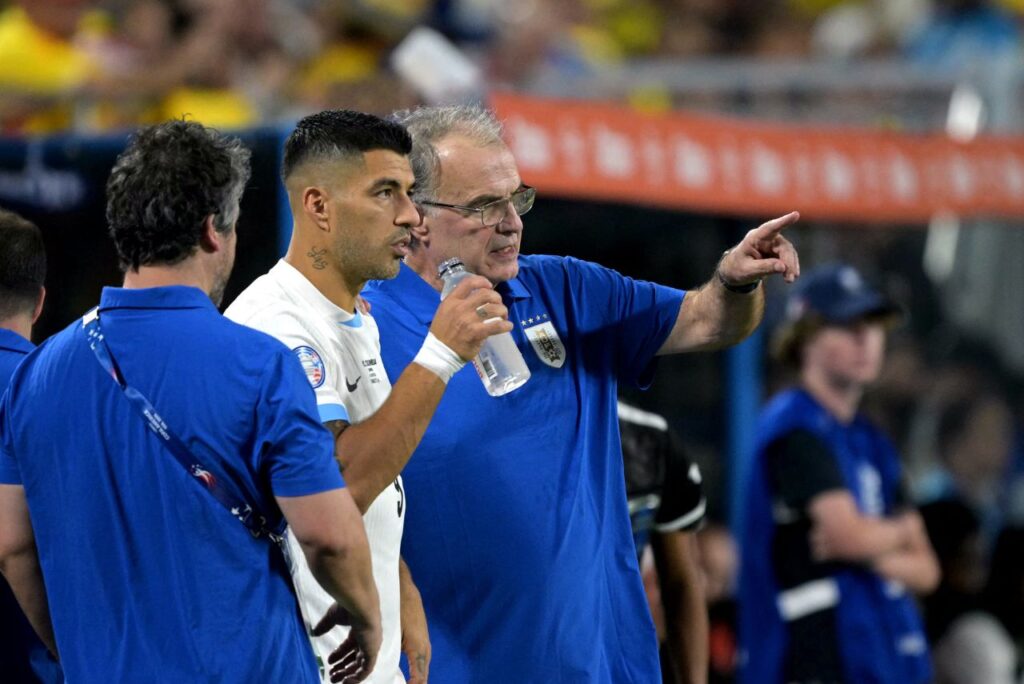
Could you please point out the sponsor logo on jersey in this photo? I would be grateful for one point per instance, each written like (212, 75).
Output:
(544, 340)
(353, 386)
(312, 364)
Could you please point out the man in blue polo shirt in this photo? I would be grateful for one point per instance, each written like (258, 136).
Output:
(520, 540)
(23, 658)
(148, 576)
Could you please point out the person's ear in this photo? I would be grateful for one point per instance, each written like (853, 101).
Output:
(39, 305)
(211, 240)
(421, 232)
(316, 206)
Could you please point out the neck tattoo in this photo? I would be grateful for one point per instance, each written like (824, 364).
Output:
(317, 255)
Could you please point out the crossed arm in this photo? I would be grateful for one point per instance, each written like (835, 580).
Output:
(713, 317)
(896, 547)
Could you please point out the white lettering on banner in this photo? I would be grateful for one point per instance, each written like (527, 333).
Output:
(870, 177)
(769, 172)
(654, 159)
(803, 171)
(961, 177)
(574, 149)
(840, 176)
(531, 145)
(732, 168)
(42, 187)
(748, 168)
(615, 153)
(692, 163)
(1013, 175)
(903, 183)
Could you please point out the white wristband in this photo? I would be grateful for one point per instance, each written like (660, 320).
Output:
(438, 358)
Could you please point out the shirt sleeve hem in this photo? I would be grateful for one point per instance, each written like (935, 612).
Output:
(329, 412)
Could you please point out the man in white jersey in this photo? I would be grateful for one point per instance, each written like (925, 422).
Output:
(348, 180)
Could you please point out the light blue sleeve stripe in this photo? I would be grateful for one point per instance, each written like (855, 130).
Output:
(330, 412)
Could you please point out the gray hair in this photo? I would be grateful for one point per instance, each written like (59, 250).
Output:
(429, 125)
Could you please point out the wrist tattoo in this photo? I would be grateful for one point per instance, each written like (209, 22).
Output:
(421, 663)
(317, 255)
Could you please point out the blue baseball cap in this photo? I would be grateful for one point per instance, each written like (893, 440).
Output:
(836, 294)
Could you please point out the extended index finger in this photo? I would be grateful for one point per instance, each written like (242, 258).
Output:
(772, 228)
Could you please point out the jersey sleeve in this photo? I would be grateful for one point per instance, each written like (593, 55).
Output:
(801, 466)
(683, 503)
(322, 371)
(296, 450)
(9, 471)
(635, 316)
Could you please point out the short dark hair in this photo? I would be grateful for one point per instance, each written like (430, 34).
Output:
(22, 264)
(164, 185)
(335, 133)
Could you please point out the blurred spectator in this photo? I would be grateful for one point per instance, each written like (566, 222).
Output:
(44, 61)
(666, 507)
(983, 644)
(960, 32)
(955, 534)
(974, 440)
(830, 548)
(719, 562)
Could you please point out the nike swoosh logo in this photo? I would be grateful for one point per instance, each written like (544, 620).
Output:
(351, 386)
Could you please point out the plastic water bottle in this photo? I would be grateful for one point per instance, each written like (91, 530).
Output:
(499, 364)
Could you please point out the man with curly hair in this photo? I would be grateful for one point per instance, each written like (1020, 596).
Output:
(147, 576)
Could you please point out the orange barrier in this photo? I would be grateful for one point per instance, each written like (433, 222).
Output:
(737, 167)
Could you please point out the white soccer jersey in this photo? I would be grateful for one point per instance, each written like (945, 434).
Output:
(341, 355)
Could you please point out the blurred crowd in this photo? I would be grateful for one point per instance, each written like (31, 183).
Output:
(107, 64)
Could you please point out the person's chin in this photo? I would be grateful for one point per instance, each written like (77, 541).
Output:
(392, 269)
(499, 273)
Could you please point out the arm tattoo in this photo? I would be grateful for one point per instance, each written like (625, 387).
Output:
(421, 663)
(317, 255)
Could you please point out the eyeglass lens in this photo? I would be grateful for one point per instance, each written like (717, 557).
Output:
(522, 201)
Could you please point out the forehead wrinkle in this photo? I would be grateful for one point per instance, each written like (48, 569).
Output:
(470, 182)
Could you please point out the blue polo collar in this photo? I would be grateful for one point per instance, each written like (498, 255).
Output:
(12, 341)
(417, 295)
(170, 297)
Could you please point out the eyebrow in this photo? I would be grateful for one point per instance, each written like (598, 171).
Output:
(481, 200)
(382, 183)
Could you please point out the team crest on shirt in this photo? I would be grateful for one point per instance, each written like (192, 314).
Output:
(312, 364)
(544, 340)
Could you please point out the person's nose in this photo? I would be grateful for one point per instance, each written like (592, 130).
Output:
(410, 214)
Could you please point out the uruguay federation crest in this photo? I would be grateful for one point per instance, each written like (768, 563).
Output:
(545, 341)
(312, 364)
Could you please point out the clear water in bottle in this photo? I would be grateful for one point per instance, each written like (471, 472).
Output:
(499, 364)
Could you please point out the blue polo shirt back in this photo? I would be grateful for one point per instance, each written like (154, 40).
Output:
(518, 533)
(23, 658)
(148, 577)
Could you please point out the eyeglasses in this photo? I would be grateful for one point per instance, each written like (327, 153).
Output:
(493, 213)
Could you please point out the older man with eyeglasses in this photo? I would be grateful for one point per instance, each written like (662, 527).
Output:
(520, 537)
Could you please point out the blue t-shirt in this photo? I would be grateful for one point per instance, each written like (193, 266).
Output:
(23, 658)
(519, 536)
(148, 577)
